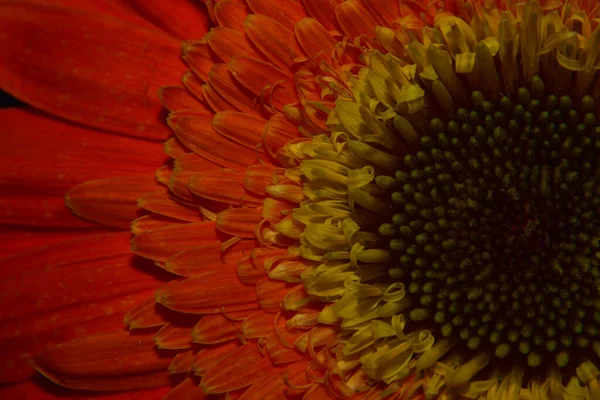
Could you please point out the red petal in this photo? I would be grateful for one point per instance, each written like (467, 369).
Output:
(199, 136)
(324, 12)
(355, 18)
(173, 337)
(63, 291)
(231, 14)
(223, 185)
(264, 79)
(237, 370)
(385, 11)
(258, 177)
(87, 67)
(144, 315)
(215, 328)
(162, 203)
(208, 293)
(199, 57)
(181, 18)
(240, 222)
(270, 294)
(279, 131)
(183, 362)
(162, 243)
(231, 90)
(151, 222)
(51, 157)
(257, 325)
(186, 390)
(285, 12)
(227, 43)
(242, 128)
(177, 98)
(274, 40)
(209, 356)
(112, 361)
(275, 386)
(316, 40)
(112, 201)
(174, 148)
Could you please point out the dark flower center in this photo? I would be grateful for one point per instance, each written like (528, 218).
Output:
(496, 227)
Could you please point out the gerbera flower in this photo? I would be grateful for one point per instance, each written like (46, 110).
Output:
(365, 199)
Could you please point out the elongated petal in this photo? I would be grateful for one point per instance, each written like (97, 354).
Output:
(221, 79)
(242, 128)
(240, 222)
(272, 386)
(231, 14)
(215, 328)
(314, 38)
(87, 58)
(262, 78)
(63, 291)
(324, 12)
(227, 42)
(160, 202)
(274, 40)
(162, 243)
(355, 18)
(237, 370)
(199, 136)
(112, 361)
(210, 355)
(199, 57)
(111, 202)
(173, 337)
(225, 186)
(177, 98)
(41, 158)
(186, 390)
(285, 12)
(181, 18)
(257, 325)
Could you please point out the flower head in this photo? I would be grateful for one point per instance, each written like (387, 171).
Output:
(368, 199)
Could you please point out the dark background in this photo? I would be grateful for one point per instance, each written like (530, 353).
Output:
(7, 100)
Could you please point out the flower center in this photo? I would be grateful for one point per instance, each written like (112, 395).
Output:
(495, 227)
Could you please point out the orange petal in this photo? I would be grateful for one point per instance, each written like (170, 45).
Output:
(160, 244)
(174, 148)
(223, 185)
(210, 355)
(258, 177)
(237, 370)
(144, 315)
(240, 222)
(112, 201)
(264, 79)
(226, 43)
(259, 324)
(186, 390)
(315, 39)
(280, 354)
(324, 12)
(247, 272)
(161, 203)
(229, 88)
(208, 293)
(183, 362)
(182, 19)
(63, 291)
(194, 85)
(184, 168)
(72, 60)
(292, 193)
(274, 40)
(151, 222)
(275, 210)
(215, 328)
(279, 131)
(242, 128)
(199, 56)
(356, 19)
(89, 363)
(198, 135)
(45, 157)
(384, 11)
(270, 294)
(198, 260)
(177, 98)
(272, 387)
(173, 337)
(285, 12)
(231, 14)
(214, 99)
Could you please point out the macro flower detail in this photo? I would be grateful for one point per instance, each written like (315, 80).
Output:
(363, 199)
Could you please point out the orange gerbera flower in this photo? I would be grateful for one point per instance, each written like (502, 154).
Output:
(364, 199)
